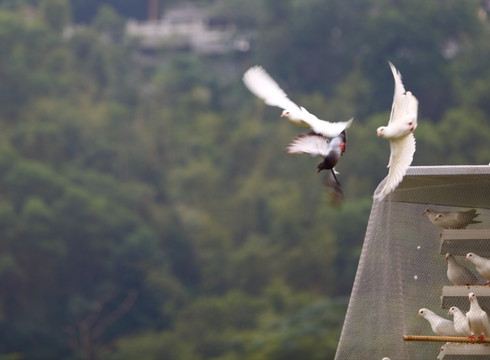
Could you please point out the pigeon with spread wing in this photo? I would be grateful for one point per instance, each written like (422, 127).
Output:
(262, 85)
(402, 123)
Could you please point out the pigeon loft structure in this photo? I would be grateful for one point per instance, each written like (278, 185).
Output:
(403, 268)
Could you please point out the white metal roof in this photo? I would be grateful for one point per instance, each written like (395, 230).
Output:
(462, 186)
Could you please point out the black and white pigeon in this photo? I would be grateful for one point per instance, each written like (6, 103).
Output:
(482, 265)
(452, 219)
(262, 85)
(319, 145)
(402, 123)
(478, 319)
(440, 326)
(460, 321)
(459, 274)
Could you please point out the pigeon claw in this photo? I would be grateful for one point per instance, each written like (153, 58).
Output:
(472, 337)
(481, 338)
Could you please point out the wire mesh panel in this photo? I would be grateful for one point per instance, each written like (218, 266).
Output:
(403, 266)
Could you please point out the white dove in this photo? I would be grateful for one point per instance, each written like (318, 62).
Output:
(459, 274)
(482, 265)
(262, 85)
(477, 318)
(452, 219)
(460, 322)
(440, 326)
(403, 121)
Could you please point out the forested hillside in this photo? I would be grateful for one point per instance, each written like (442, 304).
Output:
(147, 207)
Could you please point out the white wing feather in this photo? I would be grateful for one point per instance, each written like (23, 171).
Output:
(262, 85)
(323, 127)
(401, 157)
(403, 110)
(310, 143)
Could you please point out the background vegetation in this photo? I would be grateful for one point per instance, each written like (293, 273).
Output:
(147, 208)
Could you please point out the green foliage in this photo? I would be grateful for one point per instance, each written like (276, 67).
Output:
(147, 207)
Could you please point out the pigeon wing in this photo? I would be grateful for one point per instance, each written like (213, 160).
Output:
(401, 157)
(309, 143)
(323, 127)
(262, 85)
(405, 104)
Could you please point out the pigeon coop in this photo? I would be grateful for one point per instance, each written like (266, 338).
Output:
(403, 268)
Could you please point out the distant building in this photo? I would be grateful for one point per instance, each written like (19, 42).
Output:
(189, 27)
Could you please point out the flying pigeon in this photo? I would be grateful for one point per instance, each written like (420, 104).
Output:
(477, 318)
(459, 274)
(440, 326)
(262, 85)
(402, 123)
(452, 219)
(460, 322)
(318, 145)
(482, 265)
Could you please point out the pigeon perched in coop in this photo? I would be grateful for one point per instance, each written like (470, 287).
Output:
(459, 274)
(478, 319)
(452, 219)
(460, 321)
(482, 265)
(440, 326)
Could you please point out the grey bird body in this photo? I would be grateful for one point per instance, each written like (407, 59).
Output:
(459, 274)
(452, 219)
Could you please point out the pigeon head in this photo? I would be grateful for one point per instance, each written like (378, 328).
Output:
(438, 216)
(469, 256)
(427, 211)
(422, 312)
(448, 255)
(471, 296)
(380, 130)
(451, 310)
(286, 114)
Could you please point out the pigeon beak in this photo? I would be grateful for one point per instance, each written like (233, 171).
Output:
(283, 115)
(379, 134)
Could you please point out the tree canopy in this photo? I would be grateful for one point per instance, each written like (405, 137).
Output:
(147, 207)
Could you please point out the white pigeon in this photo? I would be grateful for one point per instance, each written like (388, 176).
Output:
(482, 265)
(262, 85)
(440, 326)
(402, 123)
(460, 322)
(478, 319)
(459, 274)
(452, 219)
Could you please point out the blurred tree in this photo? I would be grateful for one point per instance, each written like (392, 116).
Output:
(56, 14)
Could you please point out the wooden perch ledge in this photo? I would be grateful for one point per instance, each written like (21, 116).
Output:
(456, 339)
